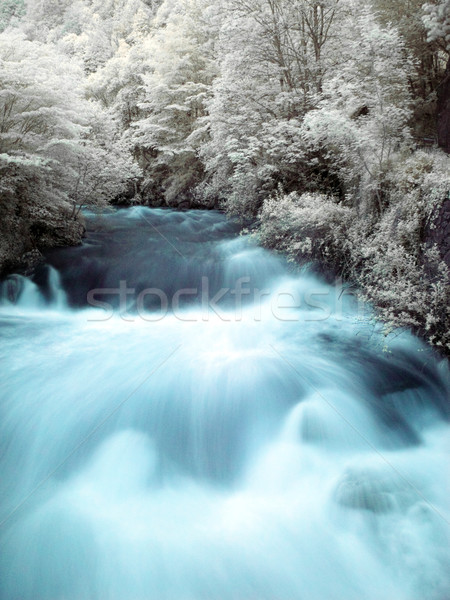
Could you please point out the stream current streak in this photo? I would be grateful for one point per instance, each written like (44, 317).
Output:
(250, 438)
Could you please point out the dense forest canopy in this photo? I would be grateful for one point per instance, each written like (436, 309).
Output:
(320, 117)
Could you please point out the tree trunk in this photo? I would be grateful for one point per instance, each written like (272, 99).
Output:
(443, 111)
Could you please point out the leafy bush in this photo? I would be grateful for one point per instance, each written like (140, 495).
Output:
(389, 258)
(307, 226)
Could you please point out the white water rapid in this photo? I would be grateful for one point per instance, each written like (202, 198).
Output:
(212, 425)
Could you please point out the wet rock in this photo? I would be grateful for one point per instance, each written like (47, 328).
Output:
(372, 490)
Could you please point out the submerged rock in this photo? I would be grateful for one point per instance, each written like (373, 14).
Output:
(371, 490)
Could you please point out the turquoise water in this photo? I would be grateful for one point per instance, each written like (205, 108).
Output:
(252, 438)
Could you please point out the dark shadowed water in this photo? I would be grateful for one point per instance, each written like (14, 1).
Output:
(185, 417)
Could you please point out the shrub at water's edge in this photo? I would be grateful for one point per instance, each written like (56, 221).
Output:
(392, 257)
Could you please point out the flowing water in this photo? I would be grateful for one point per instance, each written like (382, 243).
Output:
(185, 417)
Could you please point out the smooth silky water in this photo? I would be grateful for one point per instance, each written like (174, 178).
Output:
(257, 438)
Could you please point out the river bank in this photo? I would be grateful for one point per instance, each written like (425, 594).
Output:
(397, 257)
(28, 229)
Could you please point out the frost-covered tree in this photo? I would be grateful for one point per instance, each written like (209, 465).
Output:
(437, 21)
(89, 30)
(407, 17)
(243, 101)
(169, 131)
(50, 135)
(11, 13)
(273, 58)
(363, 120)
(42, 115)
(41, 104)
(45, 19)
(293, 36)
